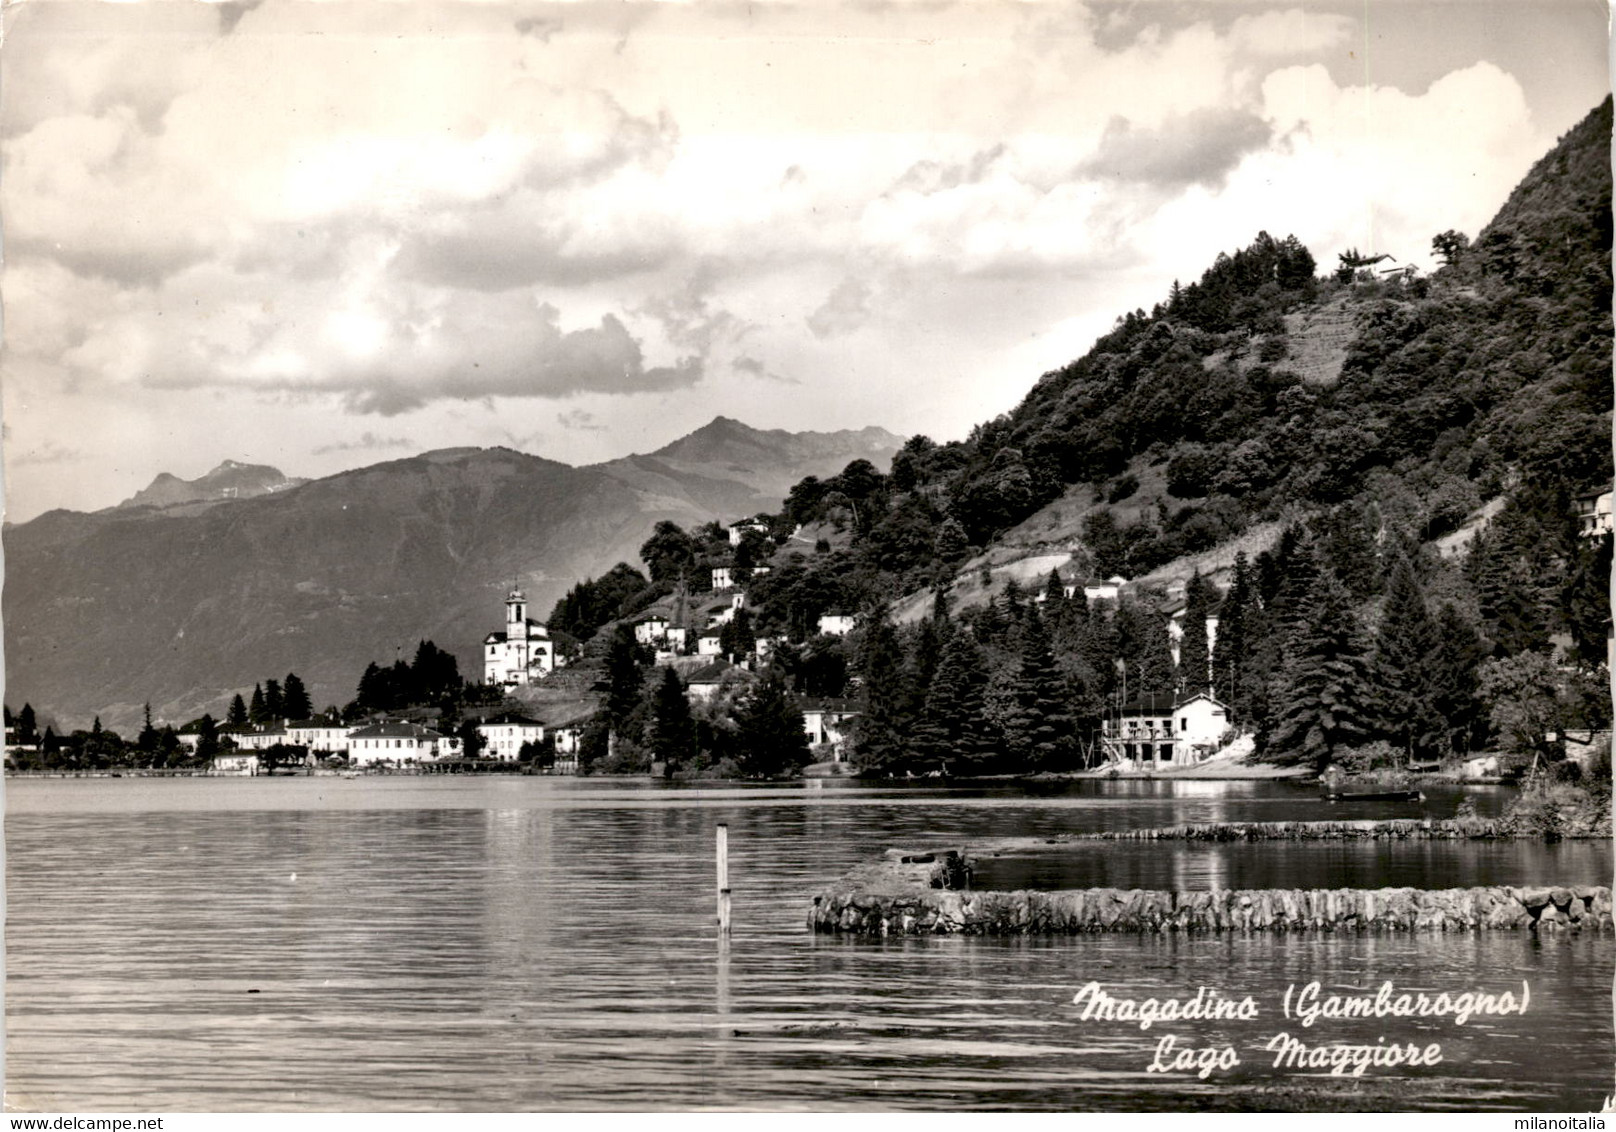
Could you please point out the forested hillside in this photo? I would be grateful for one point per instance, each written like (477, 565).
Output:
(1470, 405)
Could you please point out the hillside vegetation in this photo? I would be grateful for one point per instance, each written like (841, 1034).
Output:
(1308, 436)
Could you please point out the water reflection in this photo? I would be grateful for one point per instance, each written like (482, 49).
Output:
(542, 944)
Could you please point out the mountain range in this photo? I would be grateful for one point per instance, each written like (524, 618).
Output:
(193, 590)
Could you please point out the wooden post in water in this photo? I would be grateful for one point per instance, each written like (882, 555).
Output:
(723, 880)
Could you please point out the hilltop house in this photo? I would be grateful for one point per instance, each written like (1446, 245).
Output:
(707, 681)
(836, 624)
(1156, 730)
(1108, 590)
(739, 530)
(651, 629)
(523, 653)
(1593, 514)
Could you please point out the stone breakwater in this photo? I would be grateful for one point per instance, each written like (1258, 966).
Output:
(911, 894)
(1405, 829)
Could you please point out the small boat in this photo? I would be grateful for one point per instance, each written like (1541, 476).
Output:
(1378, 796)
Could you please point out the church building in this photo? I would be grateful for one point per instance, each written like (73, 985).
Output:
(523, 653)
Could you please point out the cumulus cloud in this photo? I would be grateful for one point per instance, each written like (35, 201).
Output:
(579, 420)
(844, 310)
(753, 367)
(49, 452)
(366, 442)
(658, 210)
(1290, 32)
(1197, 148)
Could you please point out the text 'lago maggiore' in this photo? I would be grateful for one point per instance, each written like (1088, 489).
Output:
(1306, 1005)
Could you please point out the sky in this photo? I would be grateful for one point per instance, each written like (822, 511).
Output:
(323, 235)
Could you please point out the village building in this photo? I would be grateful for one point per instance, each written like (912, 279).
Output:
(650, 630)
(398, 743)
(766, 646)
(523, 653)
(504, 734)
(320, 736)
(828, 721)
(723, 578)
(1165, 730)
(1108, 590)
(710, 679)
(244, 763)
(256, 737)
(1593, 514)
(739, 530)
(709, 644)
(836, 624)
(678, 638)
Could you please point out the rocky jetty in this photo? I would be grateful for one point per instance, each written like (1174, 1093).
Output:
(909, 893)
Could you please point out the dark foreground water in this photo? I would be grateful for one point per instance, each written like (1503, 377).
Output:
(491, 944)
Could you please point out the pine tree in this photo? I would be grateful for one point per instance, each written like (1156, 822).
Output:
(673, 732)
(625, 676)
(207, 739)
(771, 738)
(295, 703)
(274, 702)
(1194, 665)
(26, 724)
(951, 733)
(1154, 672)
(371, 695)
(1585, 600)
(1320, 700)
(257, 713)
(1454, 680)
(147, 740)
(237, 715)
(1040, 730)
(883, 730)
(1405, 651)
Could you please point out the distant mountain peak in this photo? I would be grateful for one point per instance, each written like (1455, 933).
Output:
(232, 479)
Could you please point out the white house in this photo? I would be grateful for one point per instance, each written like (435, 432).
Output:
(678, 638)
(650, 630)
(260, 737)
(766, 645)
(567, 740)
(521, 654)
(836, 624)
(705, 682)
(244, 763)
(1108, 590)
(722, 579)
(708, 645)
(1593, 514)
(827, 721)
(504, 734)
(1198, 723)
(320, 736)
(398, 743)
(1156, 730)
(739, 530)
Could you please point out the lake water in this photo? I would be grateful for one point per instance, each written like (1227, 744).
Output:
(529, 943)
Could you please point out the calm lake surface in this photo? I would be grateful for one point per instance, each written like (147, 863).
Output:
(530, 943)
